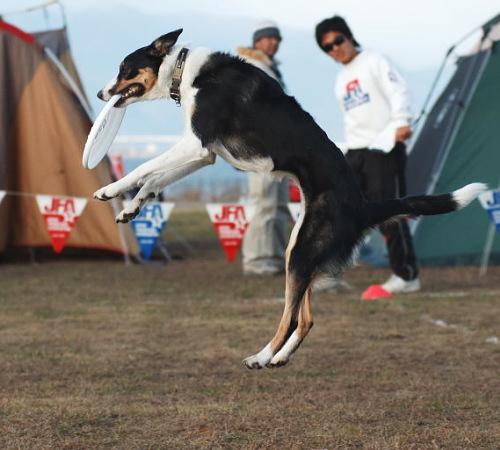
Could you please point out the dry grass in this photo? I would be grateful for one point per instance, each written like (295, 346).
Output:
(98, 355)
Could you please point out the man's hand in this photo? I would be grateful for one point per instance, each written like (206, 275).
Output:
(403, 133)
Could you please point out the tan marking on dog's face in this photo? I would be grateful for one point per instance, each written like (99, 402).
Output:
(148, 78)
(138, 86)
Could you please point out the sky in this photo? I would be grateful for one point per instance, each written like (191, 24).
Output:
(416, 35)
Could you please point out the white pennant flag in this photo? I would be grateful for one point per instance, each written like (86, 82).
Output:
(294, 209)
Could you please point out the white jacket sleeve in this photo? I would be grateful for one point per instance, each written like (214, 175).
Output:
(395, 88)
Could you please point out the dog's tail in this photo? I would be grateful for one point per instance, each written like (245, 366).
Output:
(423, 205)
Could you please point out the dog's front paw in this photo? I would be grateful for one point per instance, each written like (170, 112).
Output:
(131, 210)
(127, 216)
(106, 193)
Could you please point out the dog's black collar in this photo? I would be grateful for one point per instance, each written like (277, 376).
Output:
(175, 88)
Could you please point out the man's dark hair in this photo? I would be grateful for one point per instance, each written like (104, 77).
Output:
(337, 24)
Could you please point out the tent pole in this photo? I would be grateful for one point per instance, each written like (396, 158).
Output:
(31, 8)
(126, 255)
(74, 87)
(485, 258)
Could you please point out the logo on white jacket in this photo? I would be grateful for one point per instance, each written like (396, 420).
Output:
(354, 95)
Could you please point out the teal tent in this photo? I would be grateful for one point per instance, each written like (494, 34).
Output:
(459, 143)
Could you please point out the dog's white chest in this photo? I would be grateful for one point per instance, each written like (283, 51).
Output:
(255, 164)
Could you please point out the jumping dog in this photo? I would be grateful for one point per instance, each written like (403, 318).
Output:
(234, 110)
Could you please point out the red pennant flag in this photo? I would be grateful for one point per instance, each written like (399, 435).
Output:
(60, 215)
(230, 222)
(117, 165)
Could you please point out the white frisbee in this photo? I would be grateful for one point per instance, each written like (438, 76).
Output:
(103, 133)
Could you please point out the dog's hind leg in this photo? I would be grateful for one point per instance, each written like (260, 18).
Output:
(294, 325)
(305, 323)
(184, 158)
(296, 320)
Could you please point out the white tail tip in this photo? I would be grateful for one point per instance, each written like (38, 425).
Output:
(468, 193)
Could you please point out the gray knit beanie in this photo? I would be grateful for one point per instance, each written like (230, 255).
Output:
(266, 29)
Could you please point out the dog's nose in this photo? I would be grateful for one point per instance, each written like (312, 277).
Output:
(100, 95)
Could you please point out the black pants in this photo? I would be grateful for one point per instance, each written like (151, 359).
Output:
(381, 176)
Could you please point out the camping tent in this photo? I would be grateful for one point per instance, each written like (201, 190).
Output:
(44, 123)
(459, 143)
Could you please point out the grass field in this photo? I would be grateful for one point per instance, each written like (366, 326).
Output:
(96, 355)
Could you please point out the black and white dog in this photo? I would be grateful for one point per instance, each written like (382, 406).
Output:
(234, 110)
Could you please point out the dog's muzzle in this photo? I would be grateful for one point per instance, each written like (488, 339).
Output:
(131, 91)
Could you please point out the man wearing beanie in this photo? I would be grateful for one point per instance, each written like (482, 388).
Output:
(375, 103)
(265, 239)
(266, 40)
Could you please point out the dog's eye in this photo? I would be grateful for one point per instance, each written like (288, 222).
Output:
(124, 71)
(128, 74)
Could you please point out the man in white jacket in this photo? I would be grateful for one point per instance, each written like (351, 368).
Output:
(265, 239)
(376, 108)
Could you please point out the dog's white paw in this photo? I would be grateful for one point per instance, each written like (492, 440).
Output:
(278, 361)
(106, 193)
(127, 214)
(283, 356)
(253, 363)
(133, 208)
(259, 360)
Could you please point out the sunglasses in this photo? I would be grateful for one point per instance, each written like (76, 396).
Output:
(338, 41)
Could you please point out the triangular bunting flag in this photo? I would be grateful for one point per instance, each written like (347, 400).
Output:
(294, 209)
(60, 215)
(490, 200)
(149, 224)
(2, 195)
(230, 222)
(117, 165)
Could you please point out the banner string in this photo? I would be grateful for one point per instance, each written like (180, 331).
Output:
(29, 194)
(237, 202)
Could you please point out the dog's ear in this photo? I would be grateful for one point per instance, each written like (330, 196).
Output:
(161, 46)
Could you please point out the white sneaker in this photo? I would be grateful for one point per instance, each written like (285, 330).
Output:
(264, 269)
(330, 285)
(396, 284)
(393, 285)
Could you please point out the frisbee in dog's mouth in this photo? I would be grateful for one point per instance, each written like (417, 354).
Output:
(103, 133)
(133, 90)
